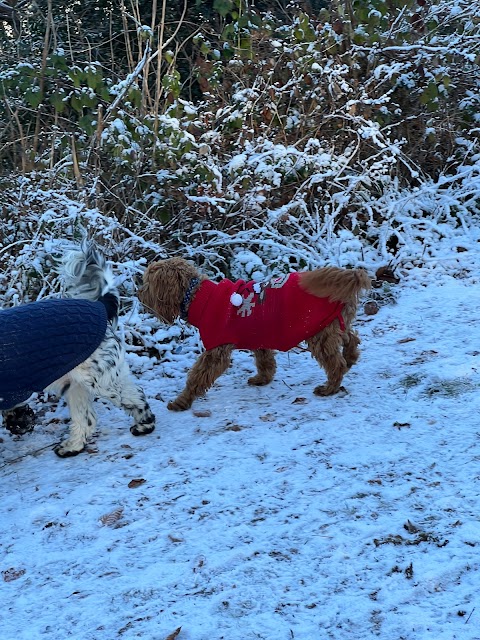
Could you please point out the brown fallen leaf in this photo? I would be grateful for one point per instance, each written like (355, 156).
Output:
(109, 519)
(299, 401)
(175, 539)
(404, 340)
(233, 427)
(410, 527)
(268, 417)
(206, 413)
(9, 575)
(371, 308)
(91, 450)
(136, 482)
(173, 635)
(386, 274)
(402, 425)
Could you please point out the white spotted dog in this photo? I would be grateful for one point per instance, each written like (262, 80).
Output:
(69, 347)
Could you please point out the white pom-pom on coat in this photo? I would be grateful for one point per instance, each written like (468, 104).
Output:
(236, 299)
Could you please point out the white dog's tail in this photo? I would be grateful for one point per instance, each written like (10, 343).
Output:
(88, 276)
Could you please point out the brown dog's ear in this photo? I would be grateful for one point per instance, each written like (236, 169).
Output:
(154, 293)
(164, 286)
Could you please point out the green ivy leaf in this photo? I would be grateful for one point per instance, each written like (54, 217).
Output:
(77, 103)
(56, 100)
(224, 7)
(87, 124)
(429, 94)
(34, 98)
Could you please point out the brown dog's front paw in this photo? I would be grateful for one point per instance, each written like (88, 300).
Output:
(327, 390)
(259, 381)
(321, 390)
(178, 405)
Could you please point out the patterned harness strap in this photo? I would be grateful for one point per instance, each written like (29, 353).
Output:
(187, 298)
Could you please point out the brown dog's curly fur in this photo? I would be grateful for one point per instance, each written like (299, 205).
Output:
(165, 284)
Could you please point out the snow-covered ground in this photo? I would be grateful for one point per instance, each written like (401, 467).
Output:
(265, 513)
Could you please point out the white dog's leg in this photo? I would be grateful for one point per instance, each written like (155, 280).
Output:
(104, 375)
(128, 396)
(82, 419)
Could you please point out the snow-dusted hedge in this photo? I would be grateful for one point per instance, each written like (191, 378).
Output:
(349, 137)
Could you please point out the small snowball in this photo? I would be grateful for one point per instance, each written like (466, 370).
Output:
(236, 299)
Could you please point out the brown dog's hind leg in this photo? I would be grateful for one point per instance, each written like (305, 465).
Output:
(351, 352)
(327, 349)
(209, 366)
(266, 367)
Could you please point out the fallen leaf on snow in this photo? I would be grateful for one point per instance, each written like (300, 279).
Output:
(12, 574)
(206, 413)
(173, 635)
(199, 563)
(371, 308)
(410, 527)
(136, 482)
(268, 417)
(386, 274)
(421, 537)
(109, 519)
(91, 450)
(233, 427)
(175, 539)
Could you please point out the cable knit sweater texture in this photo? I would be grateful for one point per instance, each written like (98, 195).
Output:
(42, 341)
(278, 315)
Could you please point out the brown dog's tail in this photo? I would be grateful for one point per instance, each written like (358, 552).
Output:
(343, 285)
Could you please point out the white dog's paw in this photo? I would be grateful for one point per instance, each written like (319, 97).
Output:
(66, 449)
(147, 425)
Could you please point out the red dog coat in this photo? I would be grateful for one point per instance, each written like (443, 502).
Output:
(276, 315)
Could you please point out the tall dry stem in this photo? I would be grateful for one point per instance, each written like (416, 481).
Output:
(45, 51)
(128, 48)
(158, 83)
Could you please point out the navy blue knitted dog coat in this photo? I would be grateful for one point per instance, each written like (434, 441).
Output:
(42, 341)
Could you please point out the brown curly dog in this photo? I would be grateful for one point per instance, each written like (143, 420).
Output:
(313, 306)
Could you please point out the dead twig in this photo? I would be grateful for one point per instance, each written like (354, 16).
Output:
(26, 455)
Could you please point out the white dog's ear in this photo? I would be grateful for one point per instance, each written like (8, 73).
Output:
(73, 265)
(86, 273)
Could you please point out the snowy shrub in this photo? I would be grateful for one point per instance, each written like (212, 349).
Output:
(289, 140)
